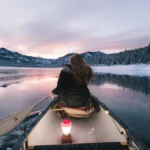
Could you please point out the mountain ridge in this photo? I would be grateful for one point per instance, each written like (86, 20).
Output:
(134, 56)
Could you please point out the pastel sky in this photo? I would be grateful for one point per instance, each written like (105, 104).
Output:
(52, 28)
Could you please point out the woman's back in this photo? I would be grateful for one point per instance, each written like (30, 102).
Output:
(72, 83)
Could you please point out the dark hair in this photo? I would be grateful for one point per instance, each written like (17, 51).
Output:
(82, 72)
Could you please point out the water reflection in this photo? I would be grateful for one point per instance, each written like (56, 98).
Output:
(22, 91)
(16, 75)
(19, 96)
(134, 83)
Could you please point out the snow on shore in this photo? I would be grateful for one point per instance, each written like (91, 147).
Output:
(135, 70)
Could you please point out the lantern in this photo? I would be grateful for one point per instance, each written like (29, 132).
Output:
(66, 128)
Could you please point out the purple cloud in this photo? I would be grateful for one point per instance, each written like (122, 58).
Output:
(54, 28)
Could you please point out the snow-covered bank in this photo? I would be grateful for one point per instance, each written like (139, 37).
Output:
(135, 70)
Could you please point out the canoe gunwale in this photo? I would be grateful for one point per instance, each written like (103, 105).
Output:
(130, 135)
(27, 132)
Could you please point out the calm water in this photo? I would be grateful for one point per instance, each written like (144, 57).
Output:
(127, 96)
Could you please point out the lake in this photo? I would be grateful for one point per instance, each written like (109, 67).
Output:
(128, 96)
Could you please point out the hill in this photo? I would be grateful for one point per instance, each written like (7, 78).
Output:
(134, 56)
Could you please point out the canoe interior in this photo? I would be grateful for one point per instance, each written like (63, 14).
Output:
(98, 128)
(98, 131)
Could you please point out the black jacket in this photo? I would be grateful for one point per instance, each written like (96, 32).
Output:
(73, 94)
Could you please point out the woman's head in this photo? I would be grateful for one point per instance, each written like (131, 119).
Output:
(82, 72)
(76, 59)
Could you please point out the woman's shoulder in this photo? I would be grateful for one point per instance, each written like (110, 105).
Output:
(66, 68)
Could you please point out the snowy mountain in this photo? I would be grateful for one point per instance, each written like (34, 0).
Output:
(135, 56)
(89, 57)
(9, 58)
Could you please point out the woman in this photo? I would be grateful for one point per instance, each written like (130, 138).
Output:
(72, 83)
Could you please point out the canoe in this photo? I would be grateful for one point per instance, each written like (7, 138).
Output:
(101, 131)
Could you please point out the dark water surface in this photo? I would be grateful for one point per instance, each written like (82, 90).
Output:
(127, 96)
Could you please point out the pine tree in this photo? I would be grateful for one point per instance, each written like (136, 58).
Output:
(149, 48)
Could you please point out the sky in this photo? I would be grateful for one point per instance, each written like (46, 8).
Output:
(53, 28)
